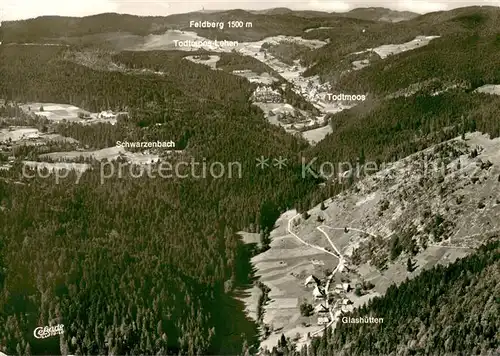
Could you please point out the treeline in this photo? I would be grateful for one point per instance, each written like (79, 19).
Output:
(445, 310)
(98, 28)
(54, 29)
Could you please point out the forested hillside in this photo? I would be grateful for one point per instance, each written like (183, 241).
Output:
(57, 29)
(465, 33)
(444, 62)
(151, 266)
(453, 310)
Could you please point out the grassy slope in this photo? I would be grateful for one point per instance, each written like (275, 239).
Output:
(444, 311)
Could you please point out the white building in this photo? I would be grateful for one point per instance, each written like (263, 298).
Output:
(339, 288)
(347, 308)
(106, 115)
(286, 109)
(312, 280)
(320, 308)
(32, 136)
(346, 301)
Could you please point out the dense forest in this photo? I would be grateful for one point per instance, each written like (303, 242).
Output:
(452, 310)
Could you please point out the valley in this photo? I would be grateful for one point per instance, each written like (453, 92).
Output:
(367, 147)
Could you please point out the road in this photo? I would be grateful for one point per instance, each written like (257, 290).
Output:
(337, 254)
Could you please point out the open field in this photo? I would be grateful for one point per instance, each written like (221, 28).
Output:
(360, 217)
(392, 49)
(52, 167)
(165, 41)
(14, 137)
(29, 136)
(58, 112)
(284, 268)
(316, 135)
(262, 78)
(318, 29)
(110, 154)
(250, 237)
(14, 134)
(210, 62)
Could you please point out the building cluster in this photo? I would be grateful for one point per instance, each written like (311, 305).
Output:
(319, 294)
(342, 304)
(284, 111)
(266, 94)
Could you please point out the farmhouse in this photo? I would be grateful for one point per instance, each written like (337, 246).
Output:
(85, 115)
(319, 293)
(106, 115)
(339, 288)
(242, 71)
(347, 308)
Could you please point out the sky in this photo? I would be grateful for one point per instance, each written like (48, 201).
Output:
(23, 9)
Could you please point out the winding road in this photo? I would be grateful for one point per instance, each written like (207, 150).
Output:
(337, 254)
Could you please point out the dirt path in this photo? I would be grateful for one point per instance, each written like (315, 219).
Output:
(307, 243)
(330, 278)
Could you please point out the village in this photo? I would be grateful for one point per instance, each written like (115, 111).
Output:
(311, 282)
(34, 140)
(328, 303)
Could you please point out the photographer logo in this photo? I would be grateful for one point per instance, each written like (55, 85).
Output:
(48, 331)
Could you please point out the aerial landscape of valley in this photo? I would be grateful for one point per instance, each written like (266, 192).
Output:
(256, 179)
